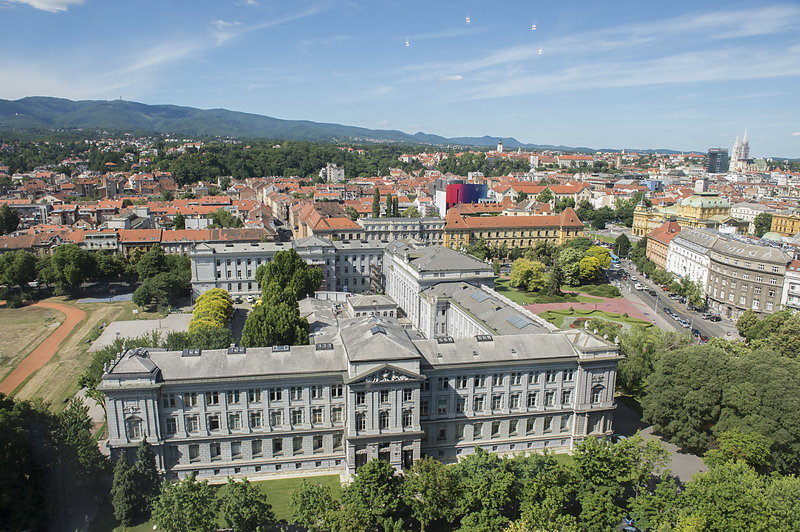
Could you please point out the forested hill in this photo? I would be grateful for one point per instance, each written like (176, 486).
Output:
(119, 115)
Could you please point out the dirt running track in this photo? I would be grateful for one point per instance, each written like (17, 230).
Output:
(44, 351)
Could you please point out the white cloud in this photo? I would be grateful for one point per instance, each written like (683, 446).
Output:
(52, 6)
(455, 77)
(247, 3)
(222, 24)
(796, 134)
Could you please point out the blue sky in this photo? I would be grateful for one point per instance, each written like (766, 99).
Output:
(681, 75)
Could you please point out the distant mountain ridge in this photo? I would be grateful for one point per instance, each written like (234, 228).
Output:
(40, 112)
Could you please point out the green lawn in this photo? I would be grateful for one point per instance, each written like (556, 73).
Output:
(522, 297)
(602, 238)
(278, 492)
(557, 317)
(599, 290)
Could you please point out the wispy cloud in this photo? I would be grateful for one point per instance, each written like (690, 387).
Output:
(247, 3)
(796, 134)
(52, 6)
(450, 33)
(455, 77)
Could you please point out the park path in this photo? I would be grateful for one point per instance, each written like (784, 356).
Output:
(45, 350)
(617, 305)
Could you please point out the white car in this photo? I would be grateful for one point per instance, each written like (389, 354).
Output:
(638, 286)
(250, 299)
(633, 278)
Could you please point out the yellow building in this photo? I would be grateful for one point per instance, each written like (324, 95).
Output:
(704, 209)
(512, 231)
(785, 224)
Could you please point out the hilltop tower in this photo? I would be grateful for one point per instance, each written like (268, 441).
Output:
(500, 146)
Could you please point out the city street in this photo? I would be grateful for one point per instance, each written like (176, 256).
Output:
(722, 329)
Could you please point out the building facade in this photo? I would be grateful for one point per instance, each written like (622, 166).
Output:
(372, 392)
(688, 254)
(346, 265)
(658, 243)
(744, 276)
(704, 210)
(785, 224)
(511, 231)
(790, 298)
(717, 161)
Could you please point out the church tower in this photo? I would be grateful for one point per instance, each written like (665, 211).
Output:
(740, 154)
(500, 146)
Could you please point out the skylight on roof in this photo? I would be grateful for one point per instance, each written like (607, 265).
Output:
(520, 322)
(324, 346)
(377, 329)
(445, 340)
(280, 348)
(479, 296)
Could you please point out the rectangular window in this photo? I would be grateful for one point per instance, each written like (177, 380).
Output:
(212, 422)
(361, 421)
(442, 383)
(190, 399)
(297, 416)
(549, 398)
(215, 450)
(597, 392)
(192, 423)
(550, 376)
(383, 419)
(442, 436)
(336, 391)
(212, 398)
(478, 403)
(516, 379)
(194, 452)
(297, 445)
(513, 401)
(441, 406)
(276, 418)
(384, 396)
(233, 397)
(477, 431)
(171, 425)
(253, 396)
(513, 427)
(408, 418)
(497, 379)
(275, 394)
(534, 377)
(336, 414)
(256, 420)
(460, 431)
(480, 381)
(316, 392)
(407, 396)
(566, 397)
(423, 408)
(530, 425)
(497, 402)
(569, 375)
(234, 421)
(495, 429)
(316, 416)
(548, 424)
(168, 400)
(317, 443)
(296, 393)
(462, 382)
(460, 404)
(277, 446)
(236, 450)
(257, 448)
(566, 421)
(337, 442)
(361, 398)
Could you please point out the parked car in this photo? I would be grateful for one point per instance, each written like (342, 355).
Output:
(685, 323)
(696, 332)
(633, 278)
(250, 299)
(651, 292)
(674, 296)
(638, 286)
(711, 317)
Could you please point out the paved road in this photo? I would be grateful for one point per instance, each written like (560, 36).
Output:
(682, 465)
(45, 350)
(722, 329)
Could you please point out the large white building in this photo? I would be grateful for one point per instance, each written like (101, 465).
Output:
(790, 296)
(371, 392)
(688, 254)
(346, 265)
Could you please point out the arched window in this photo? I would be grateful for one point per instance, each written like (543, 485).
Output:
(133, 427)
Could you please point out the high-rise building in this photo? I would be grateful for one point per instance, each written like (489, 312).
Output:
(717, 160)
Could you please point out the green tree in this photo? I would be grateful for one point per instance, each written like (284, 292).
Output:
(223, 218)
(9, 220)
(601, 217)
(69, 267)
(601, 254)
(555, 280)
(762, 223)
(374, 493)
(288, 271)
(186, 506)
(311, 504)
(77, 447)
(728, 497)
(151, 263)
(429, 493)
(484, 490)
(658, 509)
(352, 213)
(545, 196)
(17, 268)
(245, 508)
(527, 275)
(274, 324)
(376, 204)
(411, 212)
(179, 222)
(569, 260)
(124, 497)
(479, 249)
(589, 269)
(146, 476)
(622, 245)
(662, 277)
(735, 445)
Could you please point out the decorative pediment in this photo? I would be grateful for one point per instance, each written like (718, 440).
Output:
(385, 373)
